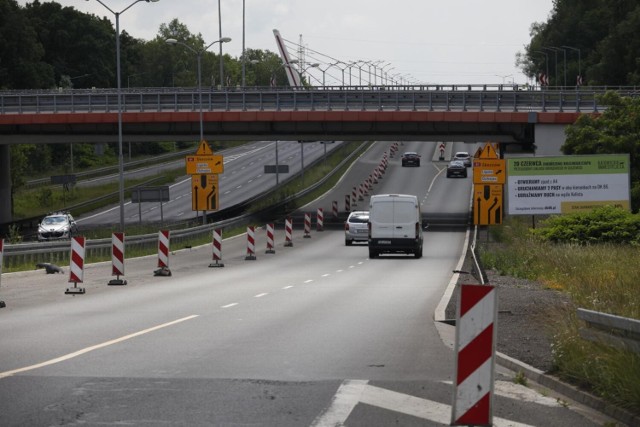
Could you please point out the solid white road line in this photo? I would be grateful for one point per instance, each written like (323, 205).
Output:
(260, 295)
(92, 348)
(352, 392)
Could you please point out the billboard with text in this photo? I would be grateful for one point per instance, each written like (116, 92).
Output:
(567, 184)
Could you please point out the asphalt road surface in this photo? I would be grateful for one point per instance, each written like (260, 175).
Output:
(316, 334)
(242, 179)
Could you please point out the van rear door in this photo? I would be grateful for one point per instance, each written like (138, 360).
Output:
(404, 218)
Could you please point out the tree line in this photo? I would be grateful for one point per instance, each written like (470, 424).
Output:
(44, 45)
(585, 42)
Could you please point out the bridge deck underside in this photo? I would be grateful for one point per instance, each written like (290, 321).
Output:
(291, 125)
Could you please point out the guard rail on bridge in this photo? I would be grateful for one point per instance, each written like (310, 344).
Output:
(380, 98)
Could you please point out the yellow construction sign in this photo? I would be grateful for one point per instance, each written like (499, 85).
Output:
(487, 204)
(204, 161)
(204, 192)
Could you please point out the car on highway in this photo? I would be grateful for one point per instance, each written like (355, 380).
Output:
(57, 226)
(464, 157)
(356, 228)
(456, 168)
(395, 225)
(411, 158)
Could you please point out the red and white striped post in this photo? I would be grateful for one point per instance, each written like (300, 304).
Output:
(320, 220)
(354, 196)
(76, 265)
(251, 243)
(334, 209)
(288, 232)
(163, 253)
(217, 248)
(270, 248)
(117, 259)
(361, 192)
(347, 203)
(307, 226)
(2, 304)
(475, 355)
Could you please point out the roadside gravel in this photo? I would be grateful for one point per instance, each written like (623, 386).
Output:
(523, 322)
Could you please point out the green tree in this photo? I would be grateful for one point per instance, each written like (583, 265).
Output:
(615, 131)
(605, 32)
(22, 65)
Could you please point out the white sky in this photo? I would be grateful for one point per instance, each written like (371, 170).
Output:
(427, 41)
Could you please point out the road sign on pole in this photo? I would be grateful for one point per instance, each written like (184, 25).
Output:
(204, 192)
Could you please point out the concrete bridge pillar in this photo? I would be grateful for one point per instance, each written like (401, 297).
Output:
(5, 185)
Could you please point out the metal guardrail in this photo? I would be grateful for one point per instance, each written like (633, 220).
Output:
(381, 98)
(616, 331)
(58, 252)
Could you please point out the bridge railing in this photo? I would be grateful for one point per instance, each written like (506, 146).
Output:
(307, 99)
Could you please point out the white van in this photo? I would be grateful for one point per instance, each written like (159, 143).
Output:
(395, 225)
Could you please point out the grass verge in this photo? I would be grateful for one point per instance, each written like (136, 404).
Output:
(600, 277)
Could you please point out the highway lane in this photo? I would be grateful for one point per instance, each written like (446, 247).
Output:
(242, 179)
(274, 342)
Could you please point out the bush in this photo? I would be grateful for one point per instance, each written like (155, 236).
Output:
(606, 224)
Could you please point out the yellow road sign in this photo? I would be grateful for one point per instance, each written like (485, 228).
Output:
(204, 161)
(204, 192)
(489, 171)
(487, 204)
(487, 152)
(204, 164)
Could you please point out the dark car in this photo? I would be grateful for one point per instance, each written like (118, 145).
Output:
(410, 158)
(456, 168)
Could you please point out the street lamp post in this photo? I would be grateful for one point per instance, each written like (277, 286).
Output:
(546, 61)
(555, 51)
(579, 78)
(119, 90)
(199, 56)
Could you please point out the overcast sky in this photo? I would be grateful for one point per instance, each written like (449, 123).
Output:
(427, 41)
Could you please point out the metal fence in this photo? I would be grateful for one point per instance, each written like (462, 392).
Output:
(383, 98)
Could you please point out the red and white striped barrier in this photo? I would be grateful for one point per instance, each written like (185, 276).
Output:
(251, 243)
(320, 220)
(163, 248)
(270, 248)
(288, 232)
(117, 259)
(361, 192)
(354, 196)
(307, 225)
(347, 203)
(217, 248)
(334, 209)
(475, 355)
(76, 265)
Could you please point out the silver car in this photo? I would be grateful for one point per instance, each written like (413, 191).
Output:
(55, 226)
(464, 157)
(356, 228)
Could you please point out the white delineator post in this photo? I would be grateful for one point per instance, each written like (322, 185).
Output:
(475, 355)
(76, 265)
(117, 259)
(217, 248)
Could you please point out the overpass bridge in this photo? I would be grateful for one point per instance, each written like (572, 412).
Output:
(505, 114)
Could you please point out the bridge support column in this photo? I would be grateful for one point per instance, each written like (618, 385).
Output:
(5, 185)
